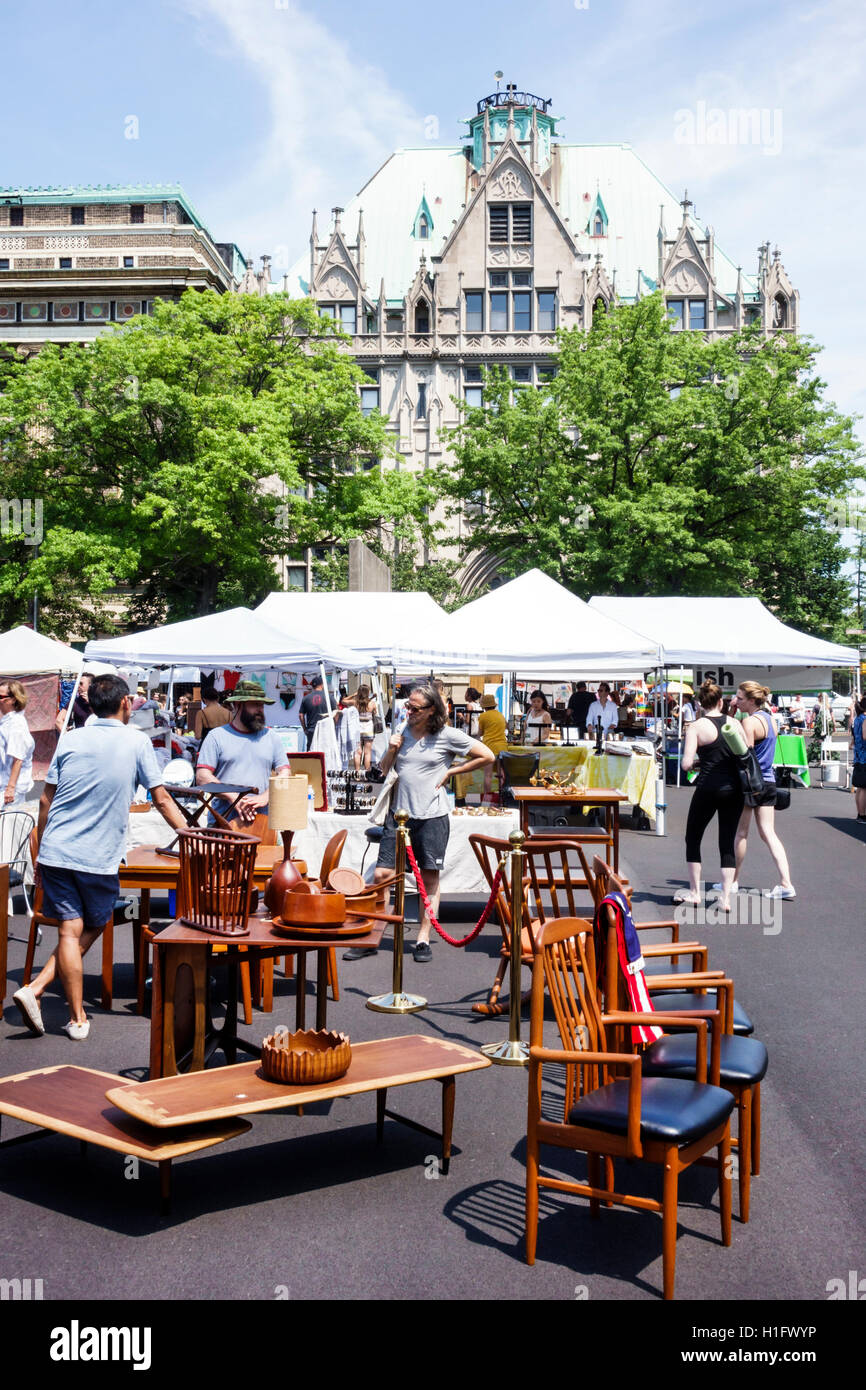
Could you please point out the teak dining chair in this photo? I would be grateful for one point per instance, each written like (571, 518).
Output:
(742, 1062)
(611, 1109)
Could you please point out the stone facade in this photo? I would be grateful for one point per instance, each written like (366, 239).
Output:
(473, 256)
(73, 260)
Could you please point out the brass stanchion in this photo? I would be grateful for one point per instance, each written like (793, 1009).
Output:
(398, 1001)
(513, 1053)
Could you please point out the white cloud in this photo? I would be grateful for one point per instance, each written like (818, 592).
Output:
(334, 118)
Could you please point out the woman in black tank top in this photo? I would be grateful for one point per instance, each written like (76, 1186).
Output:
(717, 792)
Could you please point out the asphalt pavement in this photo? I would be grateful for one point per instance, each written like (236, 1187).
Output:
(309, 1206)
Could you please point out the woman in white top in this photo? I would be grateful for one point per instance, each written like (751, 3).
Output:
(16, 744)
(539, 720)
(367, 709)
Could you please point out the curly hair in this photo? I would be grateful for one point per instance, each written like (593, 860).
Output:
(439, 718)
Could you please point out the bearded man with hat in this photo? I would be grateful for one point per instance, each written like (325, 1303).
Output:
(243, 752)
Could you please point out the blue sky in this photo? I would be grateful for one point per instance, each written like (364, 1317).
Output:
(263, 109)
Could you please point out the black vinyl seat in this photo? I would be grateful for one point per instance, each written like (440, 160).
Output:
(744, 1061)
(679, 1001)
(672, 1110)
(515, 771)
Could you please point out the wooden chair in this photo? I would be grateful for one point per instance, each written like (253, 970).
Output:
(610, 1108)
(743, 1061)
(678, 991)
(39, 920)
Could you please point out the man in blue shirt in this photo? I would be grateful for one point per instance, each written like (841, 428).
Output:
(83, 818)
(243, 752)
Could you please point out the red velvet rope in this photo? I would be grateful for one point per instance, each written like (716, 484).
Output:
(452, 941)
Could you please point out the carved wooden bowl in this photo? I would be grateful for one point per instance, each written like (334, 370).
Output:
(312, 909)
(305, 1058)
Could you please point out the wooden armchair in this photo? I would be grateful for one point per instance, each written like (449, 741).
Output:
(611, 1108)
(743, 1060)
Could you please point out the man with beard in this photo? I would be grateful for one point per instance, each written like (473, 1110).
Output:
(243, 752)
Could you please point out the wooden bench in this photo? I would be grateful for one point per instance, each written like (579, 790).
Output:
(72, 1100)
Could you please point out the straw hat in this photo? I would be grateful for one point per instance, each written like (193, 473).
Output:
(488, 702)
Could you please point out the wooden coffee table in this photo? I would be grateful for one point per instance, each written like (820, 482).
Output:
(180, 1035)
(72, 1100)
(602, 797)
(226, 1092)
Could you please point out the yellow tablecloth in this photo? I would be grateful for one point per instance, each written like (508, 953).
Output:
(634, 776)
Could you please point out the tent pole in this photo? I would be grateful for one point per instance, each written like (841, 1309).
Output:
(325, 689)
(168, 710)
(680, 728)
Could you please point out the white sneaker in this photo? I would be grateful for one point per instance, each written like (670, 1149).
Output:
(77, 1031)
(717, 888)
(780, 892)
(28, 1007)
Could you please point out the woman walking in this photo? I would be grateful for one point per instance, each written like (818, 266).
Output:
(17, 746)
(717, 792)
(367, 710)
(858, 744)
(760, 734)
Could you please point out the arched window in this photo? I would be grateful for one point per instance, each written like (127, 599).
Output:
(780, 312)
(423, 228)
(599, 307)
(422, 317)
(598, 225)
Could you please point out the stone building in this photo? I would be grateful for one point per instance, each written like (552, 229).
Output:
(75, 259)
(452, 259)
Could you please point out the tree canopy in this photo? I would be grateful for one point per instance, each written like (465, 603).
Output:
(176, 456)
(657, 462)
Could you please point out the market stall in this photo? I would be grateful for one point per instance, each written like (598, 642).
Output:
(38, 662)
(630, 772)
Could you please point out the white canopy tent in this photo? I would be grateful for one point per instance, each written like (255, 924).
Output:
(28, 653)
(531, 626)
(707, 632)
(373, 625)
(238, 639)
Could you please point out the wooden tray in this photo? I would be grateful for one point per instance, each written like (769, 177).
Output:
(359, 927)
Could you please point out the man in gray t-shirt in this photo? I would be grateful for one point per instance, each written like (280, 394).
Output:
(423, 756)
(243, 752)
(83, 817)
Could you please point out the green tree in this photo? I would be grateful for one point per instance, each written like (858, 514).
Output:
(656, 462)
(179, 454)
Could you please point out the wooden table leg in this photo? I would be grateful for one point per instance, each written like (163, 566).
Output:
(301, 987)
(448, 1092)
(107, 964)
(141, 938)
(615, 809)
(230, 1027)
(322, 988)
(157, 1018)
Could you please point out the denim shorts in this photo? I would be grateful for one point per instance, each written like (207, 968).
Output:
(67, 894)
(428, 838)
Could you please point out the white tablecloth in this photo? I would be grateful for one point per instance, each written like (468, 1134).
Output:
(461, 873)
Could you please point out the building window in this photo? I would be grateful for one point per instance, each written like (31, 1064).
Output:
(422, 317)
(546, 311)
(780, 312)
(128, 262)
(519, 278)
(394, 321)
(65, 262)
(499, 223)
(421, 407)
(77, 216)
(598, 225)
(474, 311)
(511, 222)
(523, 375)
(423, 228)
(522, 310)
(499, 313)
(327, 311)
(16, 217)
(4, 263)
(348, 317)
(370, 392)
(473, 397)
(296, 577)
(136, 212)
(676, 313)
(498, 279)
(698, 314)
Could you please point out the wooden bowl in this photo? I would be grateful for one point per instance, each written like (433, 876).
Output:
(313, 909)
(305, 1058)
